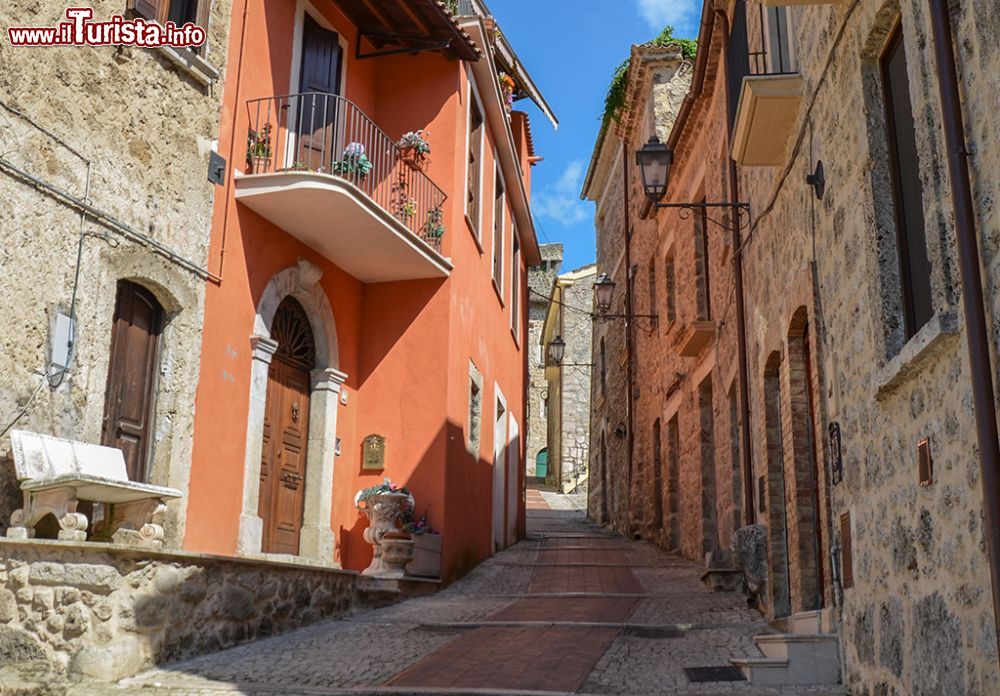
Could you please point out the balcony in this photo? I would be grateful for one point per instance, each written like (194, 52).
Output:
(769, 87)
(319, 168)
(695, 338)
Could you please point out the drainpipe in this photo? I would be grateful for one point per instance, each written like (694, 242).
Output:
(749, 514)
(972, 290)
(630, 441)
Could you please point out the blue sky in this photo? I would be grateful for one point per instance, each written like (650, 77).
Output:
(571, 48)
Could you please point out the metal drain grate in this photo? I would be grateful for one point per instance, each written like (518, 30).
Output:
(701, 675)
(653, 632)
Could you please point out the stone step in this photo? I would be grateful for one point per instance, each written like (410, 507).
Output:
(807, 622)
(793, 659)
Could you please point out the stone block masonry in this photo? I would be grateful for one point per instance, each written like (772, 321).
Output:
(107, 612)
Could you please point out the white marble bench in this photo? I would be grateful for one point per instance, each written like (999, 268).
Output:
(56, 474)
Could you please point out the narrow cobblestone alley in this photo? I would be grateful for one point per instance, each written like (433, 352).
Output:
(571, 609)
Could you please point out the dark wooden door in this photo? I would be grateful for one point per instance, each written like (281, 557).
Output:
(128, 401)
(286, 430)
(319, 114)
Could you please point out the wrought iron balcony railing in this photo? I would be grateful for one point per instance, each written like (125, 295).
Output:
(322, 133)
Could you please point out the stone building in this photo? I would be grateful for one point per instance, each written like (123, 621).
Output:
(657, 83)
(569, 319)
(540, 281)
(102, 310)
(863, 352)
(862, 467)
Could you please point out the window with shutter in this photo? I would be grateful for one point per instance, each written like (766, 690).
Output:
(180, 12)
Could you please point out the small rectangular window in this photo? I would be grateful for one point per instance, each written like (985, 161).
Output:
(474, 174)
(671, 274)
(498, 228)
(515, 288)
(904, 165)
(704, 285)
(474, 434)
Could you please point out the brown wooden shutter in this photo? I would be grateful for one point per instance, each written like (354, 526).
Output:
(149, 9)
(846, 555)
(204, 9)
(925, 463)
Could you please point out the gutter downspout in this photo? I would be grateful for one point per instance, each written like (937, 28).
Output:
(972, 289)
(746, 455)
(629, 410)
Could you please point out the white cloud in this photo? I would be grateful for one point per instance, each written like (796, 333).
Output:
(677, 13)
(560, 200)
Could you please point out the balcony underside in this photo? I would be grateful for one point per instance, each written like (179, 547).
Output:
(769, 106)
(696, 338)
(339, 221)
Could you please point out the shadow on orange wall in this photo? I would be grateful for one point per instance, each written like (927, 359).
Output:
(463, 514)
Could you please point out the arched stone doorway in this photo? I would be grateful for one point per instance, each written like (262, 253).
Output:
(280, 323)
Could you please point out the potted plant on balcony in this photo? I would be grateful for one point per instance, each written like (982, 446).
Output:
(414, 149)
(426, 546)
(433, 228)
(259, 150)
(354, 163)
(507, 87)
(392, 548)
(406, 209)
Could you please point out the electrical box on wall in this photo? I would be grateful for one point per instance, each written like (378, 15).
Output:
(61, 343)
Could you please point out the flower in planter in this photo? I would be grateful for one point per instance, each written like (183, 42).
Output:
(353, 162)
(408, 209)
(386, 486)
(417, 141)
(416, 526)
(434, 226)
(258, 146)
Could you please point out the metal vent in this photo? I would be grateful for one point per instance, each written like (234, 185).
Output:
(846, 557)
(925, 465)
(701, 675)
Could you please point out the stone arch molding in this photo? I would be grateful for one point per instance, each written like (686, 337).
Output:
(316, 540)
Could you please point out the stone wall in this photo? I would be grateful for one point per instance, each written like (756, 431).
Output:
(110, 612)
(577, 328)
(919, 617)
(569, 385)
(146, 127)
(540, 280)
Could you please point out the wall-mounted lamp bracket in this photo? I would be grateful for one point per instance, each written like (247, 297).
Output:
(818, 180)
(740, 212)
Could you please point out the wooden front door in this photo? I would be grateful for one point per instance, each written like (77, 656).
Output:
(319, 114)
(128, 400)
(286, 430)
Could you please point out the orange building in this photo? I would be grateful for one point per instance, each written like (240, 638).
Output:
(373, 296)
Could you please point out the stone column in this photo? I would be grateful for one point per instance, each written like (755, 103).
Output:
(316, 539)
(251, 532)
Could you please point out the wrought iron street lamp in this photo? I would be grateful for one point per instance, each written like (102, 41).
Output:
(654, 160)
(557, 351)
(604, 291)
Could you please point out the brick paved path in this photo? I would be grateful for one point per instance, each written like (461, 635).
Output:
(571, 609)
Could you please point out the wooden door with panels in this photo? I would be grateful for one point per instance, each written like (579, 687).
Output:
(286, 430)
(128, 400)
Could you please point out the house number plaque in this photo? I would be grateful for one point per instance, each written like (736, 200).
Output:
(373, 453)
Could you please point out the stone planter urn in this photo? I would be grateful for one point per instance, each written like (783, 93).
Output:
(382, 511)
(397, 552)
(426, 556)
